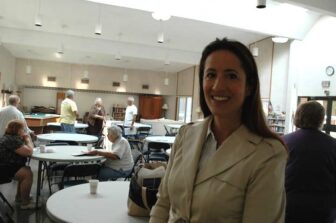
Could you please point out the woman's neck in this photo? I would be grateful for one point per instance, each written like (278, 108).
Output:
(223, 128)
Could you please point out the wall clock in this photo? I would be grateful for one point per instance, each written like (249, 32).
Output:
(330, 70)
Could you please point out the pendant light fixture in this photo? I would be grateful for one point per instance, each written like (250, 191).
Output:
(99, 26)
(166, 79)
(118, 54)
(38, 17)
(160, 37)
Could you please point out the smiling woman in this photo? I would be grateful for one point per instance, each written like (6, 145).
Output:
(231, 166)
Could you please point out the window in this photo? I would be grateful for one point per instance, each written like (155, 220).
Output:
(184, 106)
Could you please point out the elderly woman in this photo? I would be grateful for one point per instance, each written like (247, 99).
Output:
(15, 147)
(119, 162)
(311, 168)
(96, 118)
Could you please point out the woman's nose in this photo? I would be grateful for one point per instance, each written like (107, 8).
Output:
(219, 83)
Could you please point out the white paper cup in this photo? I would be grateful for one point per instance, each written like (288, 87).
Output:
(42, 148)
(89, 147)
(93, 186)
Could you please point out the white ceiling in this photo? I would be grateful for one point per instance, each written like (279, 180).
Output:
(133, 32)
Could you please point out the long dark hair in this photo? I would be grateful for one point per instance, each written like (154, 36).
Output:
(252, 115)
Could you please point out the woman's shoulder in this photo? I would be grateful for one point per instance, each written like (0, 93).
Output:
(270, 147)
(10, 140)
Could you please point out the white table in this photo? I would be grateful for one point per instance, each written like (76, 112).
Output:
(76, 204)
(166, 139)
(73, 137)
(77, 125)
(175, 126)
(59, 154)
(136, 124)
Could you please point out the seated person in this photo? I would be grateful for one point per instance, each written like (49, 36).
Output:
(119, 162)
(15, 147)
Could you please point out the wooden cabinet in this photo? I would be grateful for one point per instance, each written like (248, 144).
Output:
(150, 107)
(118, 112)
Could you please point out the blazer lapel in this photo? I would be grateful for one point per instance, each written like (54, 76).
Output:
(191, 151)
(238, 146)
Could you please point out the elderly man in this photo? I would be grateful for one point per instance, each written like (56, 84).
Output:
(69, 112)
(119, 161)
(131, 112)
(10, 113)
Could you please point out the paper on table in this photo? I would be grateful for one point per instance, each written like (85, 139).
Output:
(83, 153)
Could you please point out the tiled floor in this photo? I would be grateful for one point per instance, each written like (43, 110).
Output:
(27, 216)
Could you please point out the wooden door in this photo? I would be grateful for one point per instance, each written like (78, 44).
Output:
(150, 107)
(60, 96)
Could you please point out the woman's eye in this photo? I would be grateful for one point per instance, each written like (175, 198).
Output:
(210, 75)
(232, 76)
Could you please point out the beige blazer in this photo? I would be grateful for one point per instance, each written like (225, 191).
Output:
(243, 182)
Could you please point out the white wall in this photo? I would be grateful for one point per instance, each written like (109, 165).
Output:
(264, 64)
(308, 60)
(316, 53)
(38, 91)
(279, 76)
(101, 77)
(7, 71)
(84, 100)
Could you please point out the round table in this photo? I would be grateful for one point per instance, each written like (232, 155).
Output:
(136, 124)
(76, 204)
(166, 139)
(175, 126)
(60, 154)
(77, 125)
(74, 137)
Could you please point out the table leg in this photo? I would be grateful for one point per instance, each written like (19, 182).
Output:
(38, 186)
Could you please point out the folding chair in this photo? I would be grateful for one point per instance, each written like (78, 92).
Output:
(168, 132)
(157, 151)
(50, 169)
(6, 210)
(137, 158)
(79, 172)
(142, 132)
(136, 144)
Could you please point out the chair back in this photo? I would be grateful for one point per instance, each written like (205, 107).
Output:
(135, 144)
(157, 151)
(143, 132)
(158, 146)
(168, 132)
(79, 171)
(137, 158)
